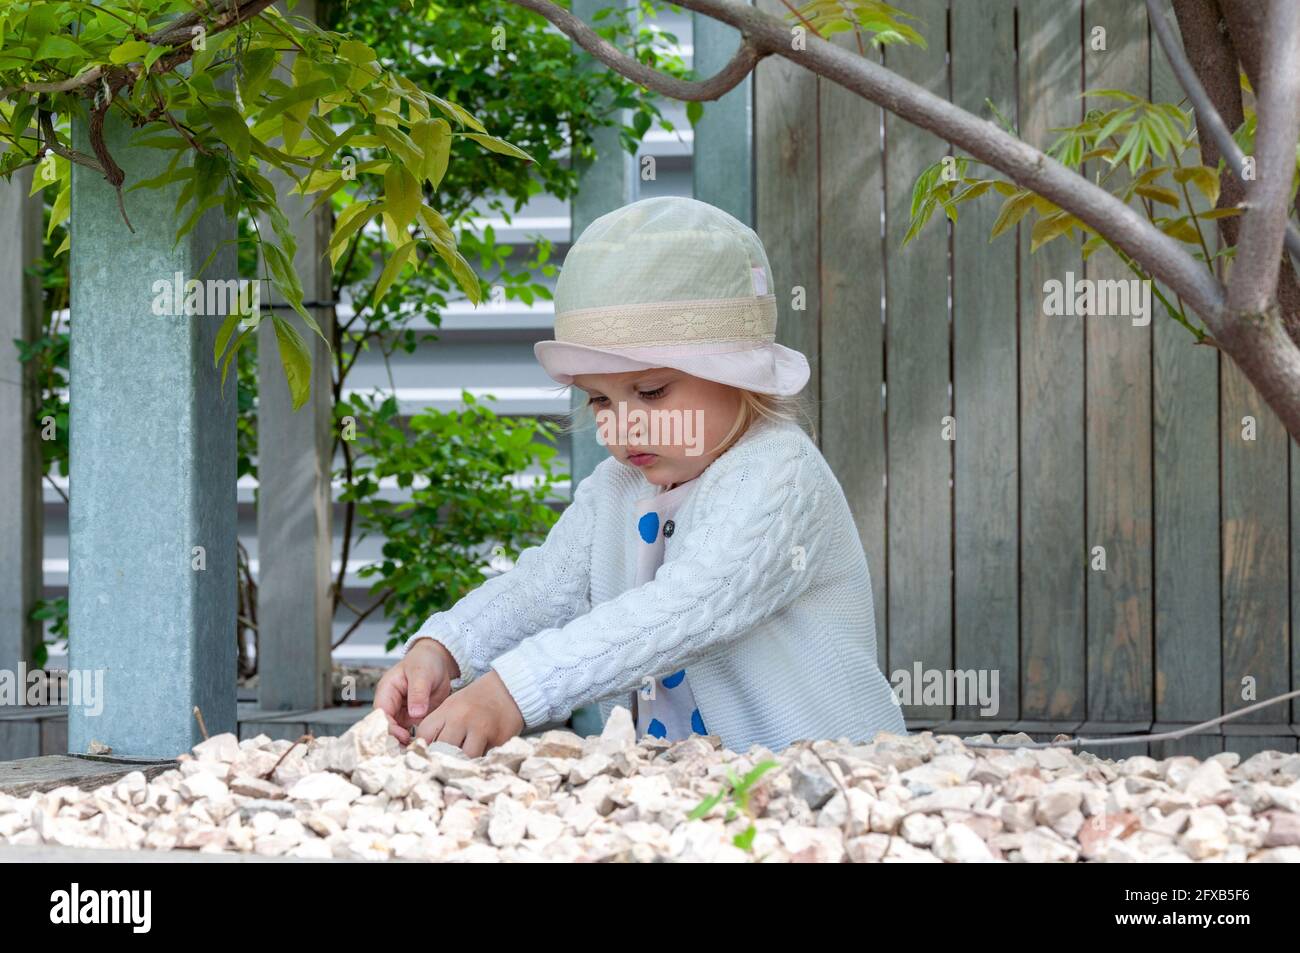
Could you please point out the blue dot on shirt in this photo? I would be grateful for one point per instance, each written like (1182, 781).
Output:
(697, 723)
(673, 680)
(648, 527)
(656, 728)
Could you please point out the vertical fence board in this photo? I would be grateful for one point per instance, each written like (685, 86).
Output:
(1295, 585)
(984, 316)
(1185, 416)
(851, 281)
(1256, 604)
(1118, 373)
(917, 375)
(785, 135)
(1052, 546)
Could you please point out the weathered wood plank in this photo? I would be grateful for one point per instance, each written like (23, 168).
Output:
(917, 376)
(785, 163)
(19, 739)
(1186, 494)
(1256, 604)
(21, 777)
(851, 278)
(1118, 396)
(54, 735)
(1052, 544)
(1198, 746)
(1295, 580)
(984, 344)
(22, 516)
(1248, 745)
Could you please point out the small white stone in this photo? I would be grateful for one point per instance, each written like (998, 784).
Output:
(324, 786)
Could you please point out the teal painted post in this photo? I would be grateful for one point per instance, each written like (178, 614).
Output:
(605, 184)
(152, 517)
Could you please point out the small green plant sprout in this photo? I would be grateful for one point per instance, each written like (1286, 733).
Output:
(739, 790)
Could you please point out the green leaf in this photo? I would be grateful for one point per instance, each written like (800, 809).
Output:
(295, 359)
(393, 267)
(257, 66)
(59, 212)
(1203, 177)
(1157, 194)
(457, 113)
(350, 219)
(230, 126)
(1046, 229)
(129, 51)
(402, 196)
(244, 335)
(1013, 210)
(56, 46)
(498, 145)
(433, 137)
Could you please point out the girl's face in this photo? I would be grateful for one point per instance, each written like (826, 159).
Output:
(680, 419)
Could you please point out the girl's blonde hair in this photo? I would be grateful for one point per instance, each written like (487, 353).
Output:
(752, 406)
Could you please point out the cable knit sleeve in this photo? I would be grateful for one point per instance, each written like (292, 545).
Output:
(756, 540)
(547, 586)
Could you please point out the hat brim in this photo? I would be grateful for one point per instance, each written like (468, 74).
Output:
(767, 368)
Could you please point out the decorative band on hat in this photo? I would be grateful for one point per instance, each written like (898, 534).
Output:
(670, 322)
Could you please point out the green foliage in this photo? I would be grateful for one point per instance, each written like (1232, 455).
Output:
(458, 467)
(881, 23)
(1147, 141)
(336, 119)
(737, 790)
(486, 59)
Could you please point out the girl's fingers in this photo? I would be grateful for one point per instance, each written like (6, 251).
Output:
(390, 693)
(397, 730)
(420, 683)
(474, 745)
(429, 727)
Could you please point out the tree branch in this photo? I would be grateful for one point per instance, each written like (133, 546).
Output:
(175, 33)
(1164, 257)
(1253, 281)
(1207, 117)
(726, 79)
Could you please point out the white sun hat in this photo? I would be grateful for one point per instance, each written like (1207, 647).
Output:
(670, 282)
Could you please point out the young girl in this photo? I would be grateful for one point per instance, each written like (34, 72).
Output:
(708, 575)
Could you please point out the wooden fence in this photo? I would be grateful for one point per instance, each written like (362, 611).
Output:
(1070, 433)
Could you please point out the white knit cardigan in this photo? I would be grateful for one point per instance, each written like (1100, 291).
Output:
(763, 596)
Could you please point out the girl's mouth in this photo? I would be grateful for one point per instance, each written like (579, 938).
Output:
(642, 459)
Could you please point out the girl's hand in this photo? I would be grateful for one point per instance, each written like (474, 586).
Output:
(476, 719)
(415, 686)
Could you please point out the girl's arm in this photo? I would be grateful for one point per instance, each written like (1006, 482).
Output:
(547, 586)
(739, 563)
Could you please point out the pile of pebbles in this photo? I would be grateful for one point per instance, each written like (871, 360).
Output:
(560, 797)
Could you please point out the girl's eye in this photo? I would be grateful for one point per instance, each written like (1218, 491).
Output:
(593, 400)
(652, 394)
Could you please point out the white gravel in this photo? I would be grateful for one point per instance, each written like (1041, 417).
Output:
(560, 797)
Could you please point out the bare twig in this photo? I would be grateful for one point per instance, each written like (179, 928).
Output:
(203, 729)
(1135, 739)
(302, 739)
